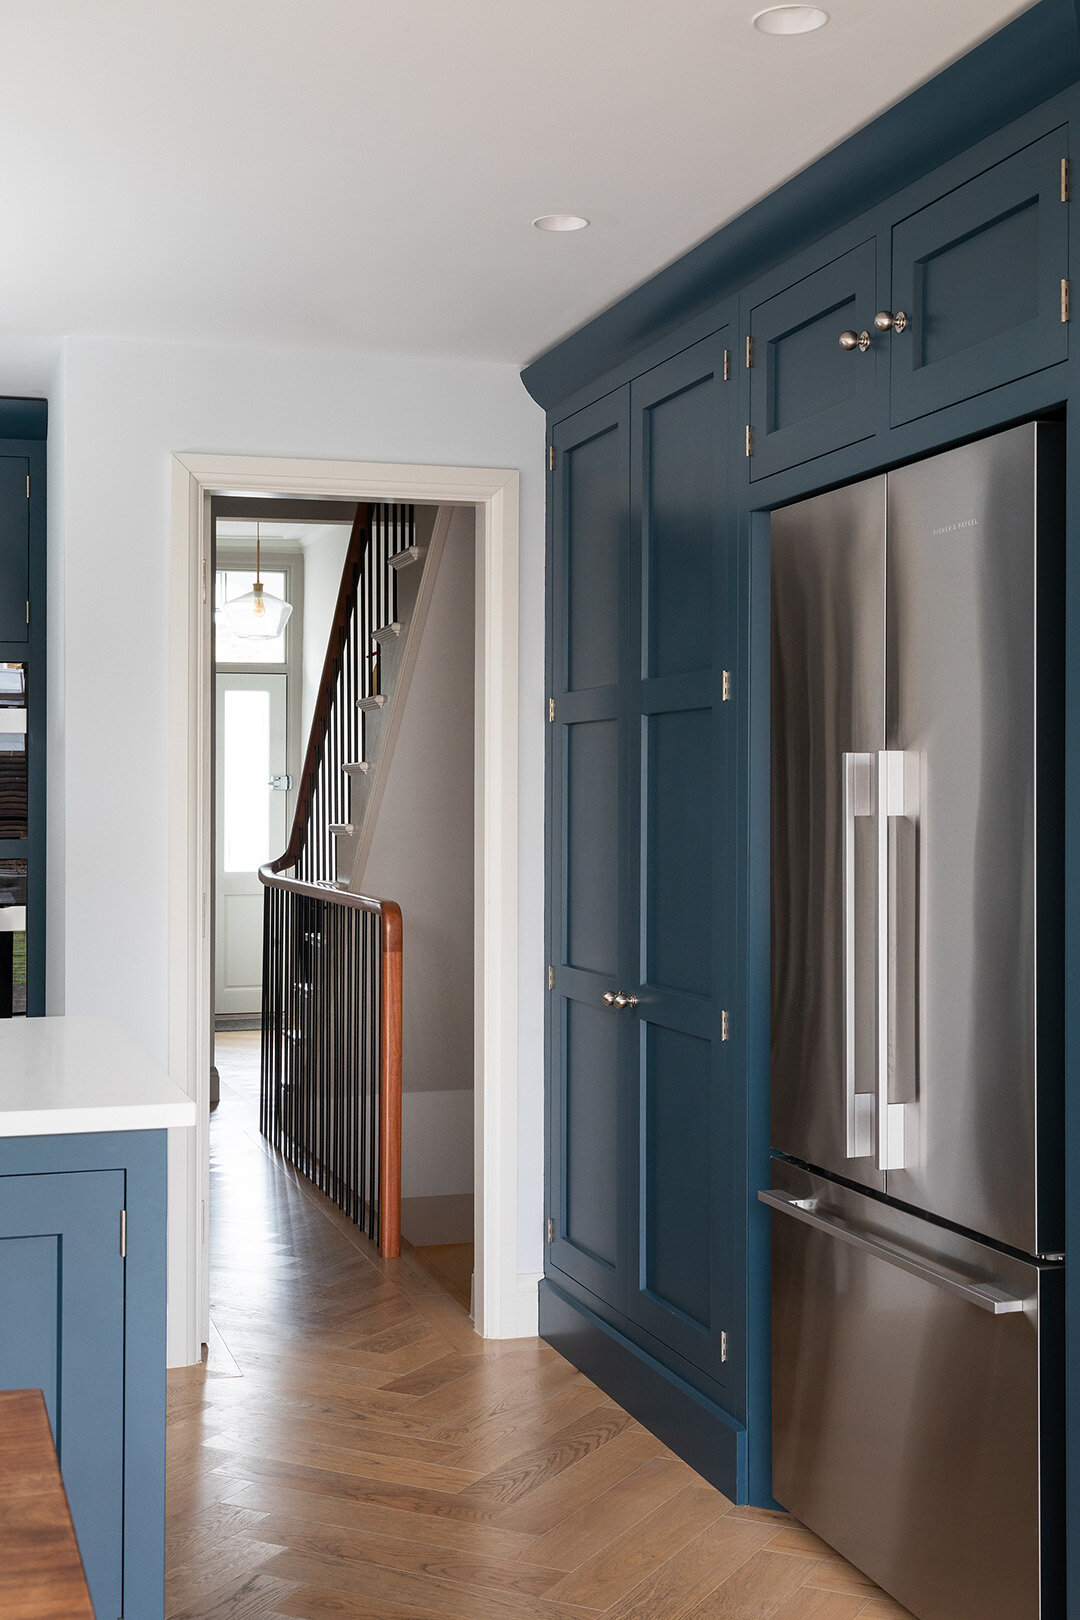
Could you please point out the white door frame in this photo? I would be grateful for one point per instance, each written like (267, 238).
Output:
(503, 1308)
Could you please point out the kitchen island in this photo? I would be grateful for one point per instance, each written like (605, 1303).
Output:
(83, 1121)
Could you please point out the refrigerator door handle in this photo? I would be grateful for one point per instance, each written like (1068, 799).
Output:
(888, 801)
(858, 1105)
(985, 1295)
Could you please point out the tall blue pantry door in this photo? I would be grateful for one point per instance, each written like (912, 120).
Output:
(681, 768)
(589, 939)
(639, 859)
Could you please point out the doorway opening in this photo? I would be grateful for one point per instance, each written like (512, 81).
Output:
(414, 838)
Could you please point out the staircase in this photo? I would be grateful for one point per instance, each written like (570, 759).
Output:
(332, 956)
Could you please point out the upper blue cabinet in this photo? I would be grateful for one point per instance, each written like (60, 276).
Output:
(808, 393)
(979, 282)
(14, 548)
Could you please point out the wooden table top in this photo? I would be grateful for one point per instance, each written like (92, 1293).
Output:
(41, 1573)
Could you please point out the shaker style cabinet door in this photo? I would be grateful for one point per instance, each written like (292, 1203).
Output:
(978, 276)
(588, 1037)
(62, 1331)
(14, 549)
(681, 766)
(808, 393)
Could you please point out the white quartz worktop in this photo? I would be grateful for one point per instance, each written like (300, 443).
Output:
(61, 1075)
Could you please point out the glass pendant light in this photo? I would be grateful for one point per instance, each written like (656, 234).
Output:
(257, 614)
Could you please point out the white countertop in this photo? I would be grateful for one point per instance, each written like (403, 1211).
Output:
(61, 1075)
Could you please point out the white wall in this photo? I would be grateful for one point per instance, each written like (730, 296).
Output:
(124, 408)
(422, 856)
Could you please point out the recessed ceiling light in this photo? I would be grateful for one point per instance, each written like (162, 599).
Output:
(791, 19)
(560, 222)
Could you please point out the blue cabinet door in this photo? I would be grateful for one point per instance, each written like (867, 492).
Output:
(587, 1039)
(682, 765)
(62, 1331)
(14, 548)
(978, 276)
(808, 394)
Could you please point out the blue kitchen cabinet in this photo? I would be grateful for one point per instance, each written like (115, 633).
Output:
(14, 549)
(980, 282)
(683, 1216)
(84, 1321)
(644, 1196)
(588, 852)
(809, 394)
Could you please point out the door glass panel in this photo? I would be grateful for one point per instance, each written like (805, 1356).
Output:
(592, 845)
(678, 1171)
(591, 1129)
(12, 939)
(678, 853)
(246, 783)
(597, 507)
(681, 501)
(983, 284)
(13, 780)
(230, 648)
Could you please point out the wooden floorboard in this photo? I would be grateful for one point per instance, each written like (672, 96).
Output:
(351, 1448)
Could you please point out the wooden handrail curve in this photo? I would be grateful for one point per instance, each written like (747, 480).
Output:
(390, 1042)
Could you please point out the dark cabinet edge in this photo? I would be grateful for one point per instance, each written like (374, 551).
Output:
(695, 1428)
(1011, 73)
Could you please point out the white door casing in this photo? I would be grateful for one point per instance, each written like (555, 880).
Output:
(504, 1300)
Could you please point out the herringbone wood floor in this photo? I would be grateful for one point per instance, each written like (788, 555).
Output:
(353, 1449)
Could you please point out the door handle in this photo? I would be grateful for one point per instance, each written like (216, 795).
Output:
(281, 784)
(858, 1105)
(987, 1296)
(888, 801)
(616, 998)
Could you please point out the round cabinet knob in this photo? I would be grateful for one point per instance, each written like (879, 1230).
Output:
(625, 1001)
(855, 340)
(886, 321)
(610, 998)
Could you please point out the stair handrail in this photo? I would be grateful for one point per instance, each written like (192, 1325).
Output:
(352, 568)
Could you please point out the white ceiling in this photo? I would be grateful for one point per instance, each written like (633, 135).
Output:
(364, 172)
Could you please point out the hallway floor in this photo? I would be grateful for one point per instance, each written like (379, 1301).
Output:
(353, 1449)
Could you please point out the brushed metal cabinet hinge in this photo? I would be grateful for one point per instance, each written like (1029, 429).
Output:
(551, 458)
(123, 1234)
(1065, 178)
(551, 1228)
(726, 688)
(727, 365)
(723, 1346)
(749, 440)
(1064, 299)
(551, 978)
(749, 352)
(551, 708)
(725, 1025)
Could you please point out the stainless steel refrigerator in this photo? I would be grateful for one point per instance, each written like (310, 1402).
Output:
(916, 1087)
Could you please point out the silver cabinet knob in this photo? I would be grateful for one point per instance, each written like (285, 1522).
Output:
(625, 1001)
(886, 321)
(610, 998)
(855, 340)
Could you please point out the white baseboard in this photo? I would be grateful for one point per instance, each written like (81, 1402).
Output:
(520, 1316)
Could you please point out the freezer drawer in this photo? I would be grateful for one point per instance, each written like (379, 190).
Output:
(916, 1402)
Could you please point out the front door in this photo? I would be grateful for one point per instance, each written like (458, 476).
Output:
(252, 827)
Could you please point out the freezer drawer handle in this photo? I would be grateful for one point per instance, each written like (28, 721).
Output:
(984, 1295)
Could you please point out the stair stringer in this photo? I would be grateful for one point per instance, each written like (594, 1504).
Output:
(368, 791)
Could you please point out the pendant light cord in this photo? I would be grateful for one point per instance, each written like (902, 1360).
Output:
(258, 570)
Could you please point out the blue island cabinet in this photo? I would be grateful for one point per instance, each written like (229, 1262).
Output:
(82, 1318)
